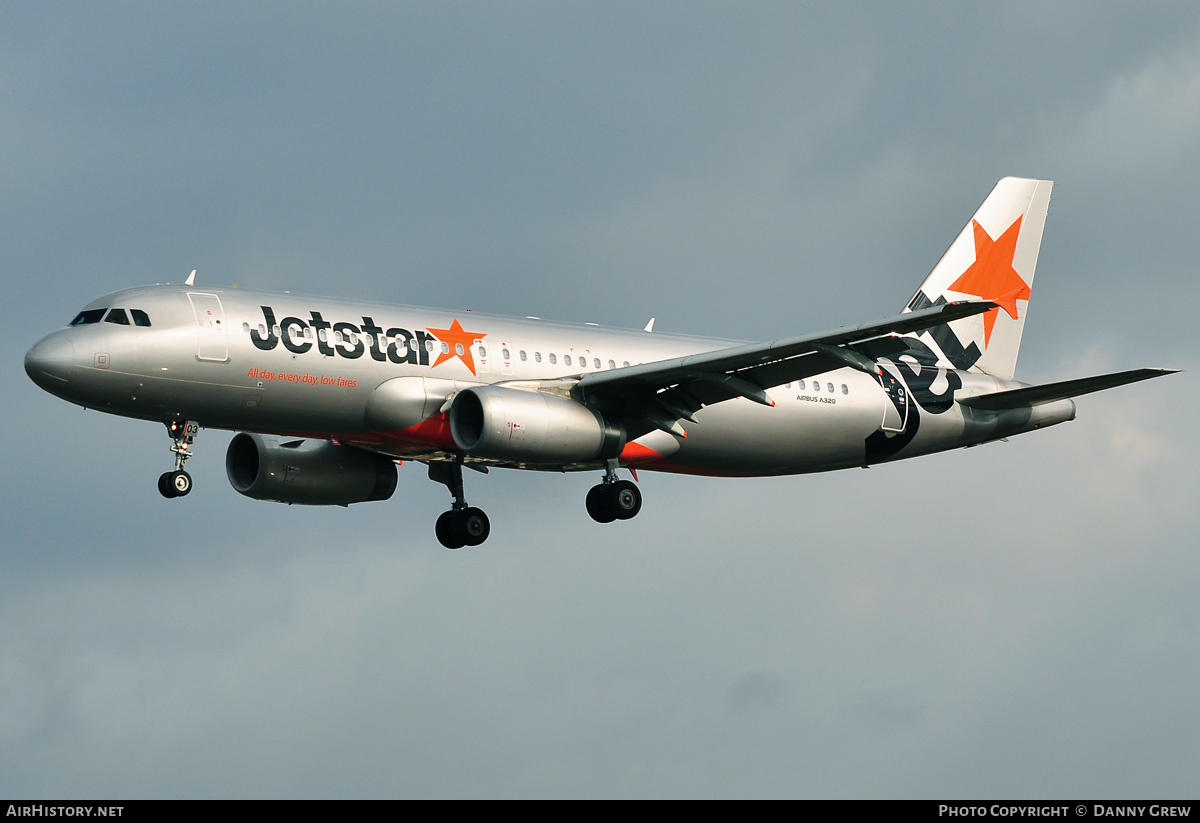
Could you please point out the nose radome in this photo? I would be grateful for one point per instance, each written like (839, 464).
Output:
(49, 362)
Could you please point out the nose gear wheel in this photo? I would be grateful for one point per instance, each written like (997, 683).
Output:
(178, 483)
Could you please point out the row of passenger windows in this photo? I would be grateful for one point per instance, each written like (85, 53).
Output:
(816, 386)
(116, 316)
(579, 359)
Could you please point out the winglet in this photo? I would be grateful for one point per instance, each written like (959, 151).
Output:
(191, 281)
(650, 325)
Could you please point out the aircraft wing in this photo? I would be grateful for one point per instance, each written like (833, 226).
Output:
(668, 390)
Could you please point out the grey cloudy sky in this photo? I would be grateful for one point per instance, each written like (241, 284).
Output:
(1013, 620)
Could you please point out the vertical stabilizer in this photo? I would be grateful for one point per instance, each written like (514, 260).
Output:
(993, 258)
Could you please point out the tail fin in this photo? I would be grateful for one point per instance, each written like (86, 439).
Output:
(993, 258)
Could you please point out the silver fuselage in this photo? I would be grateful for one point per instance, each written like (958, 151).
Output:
(289, 364)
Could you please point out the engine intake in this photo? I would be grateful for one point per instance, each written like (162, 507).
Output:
(311, 472)
(531, 427)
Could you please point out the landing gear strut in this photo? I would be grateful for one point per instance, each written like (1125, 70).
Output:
(463, 525)
(613, 499)
(178, 483)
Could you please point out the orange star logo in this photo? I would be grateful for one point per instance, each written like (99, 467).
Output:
(992, 276)
(459, 342)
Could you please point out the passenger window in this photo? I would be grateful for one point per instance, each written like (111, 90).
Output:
(245, 326)
(830, 387)
(596, 362)
(482, 351)
(522, 355)
(88, 317)
(537, 357)
(445, 347)
(567, 359)
(611, 364)
(506, 354)
(625, 364)
(845, 389)
(459, 350)
(800, 385)
(140, 318)
(553, 358)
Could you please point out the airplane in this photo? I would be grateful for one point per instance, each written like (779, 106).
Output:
(328, 395)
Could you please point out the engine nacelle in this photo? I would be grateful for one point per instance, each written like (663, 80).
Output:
(312, 472)
(531, 427)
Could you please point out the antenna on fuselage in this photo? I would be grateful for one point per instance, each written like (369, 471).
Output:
(650, 325)
(191, 281)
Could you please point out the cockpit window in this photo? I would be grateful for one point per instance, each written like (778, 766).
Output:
(117, 316)
(89, 316)
(140, 318)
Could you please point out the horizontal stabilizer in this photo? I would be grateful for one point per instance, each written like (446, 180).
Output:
(1050, 392)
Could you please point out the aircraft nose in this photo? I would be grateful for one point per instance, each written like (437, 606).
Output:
(49, 362)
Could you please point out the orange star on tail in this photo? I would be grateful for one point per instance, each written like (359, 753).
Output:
(992, 276)
(455, 337)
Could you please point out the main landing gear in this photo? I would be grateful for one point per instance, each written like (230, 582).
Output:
(613, 499)
(463, 525)
(178, 483)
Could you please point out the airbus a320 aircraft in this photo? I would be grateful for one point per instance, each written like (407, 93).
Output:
(328, 394)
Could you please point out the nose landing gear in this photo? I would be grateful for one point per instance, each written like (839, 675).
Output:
(178, 483)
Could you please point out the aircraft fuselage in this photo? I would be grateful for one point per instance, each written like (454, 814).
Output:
(295, 365)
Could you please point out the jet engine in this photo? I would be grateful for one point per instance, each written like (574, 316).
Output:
(312, 472)
(531, 427)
